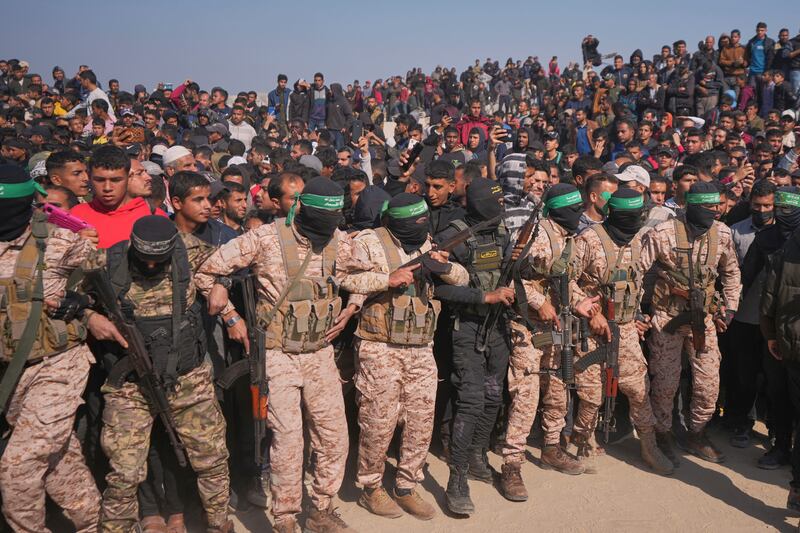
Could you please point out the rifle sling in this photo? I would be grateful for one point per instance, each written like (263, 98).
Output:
(19, 358)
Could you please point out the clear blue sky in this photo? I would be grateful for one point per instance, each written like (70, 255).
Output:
(244, 44)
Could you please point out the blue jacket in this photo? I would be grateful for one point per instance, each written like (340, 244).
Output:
(279, 104)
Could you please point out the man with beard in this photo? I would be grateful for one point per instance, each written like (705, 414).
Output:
(759, 257)
(698, 237)
(606, 264)
(297, 260)
(234, 206)
(396, 368)
(550, 256)
(151, 275)
(477, 376)
(44, 374)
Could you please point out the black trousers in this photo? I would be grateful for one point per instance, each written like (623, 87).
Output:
(478, 379)
(793, 380)
(781, 406)
(742, 355)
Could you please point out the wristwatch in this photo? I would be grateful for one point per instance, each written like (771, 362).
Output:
(232, 321)
(225, 281)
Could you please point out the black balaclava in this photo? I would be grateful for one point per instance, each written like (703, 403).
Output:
(762, 218)
(563, 205)
(787, 210)
(483, 202)
(16, 201)
(321, 211)
(406, 217)
(624, 219)
(153, 238)
(700, 218)
(367, 211)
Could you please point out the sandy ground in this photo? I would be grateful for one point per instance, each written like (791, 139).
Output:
(700, 496)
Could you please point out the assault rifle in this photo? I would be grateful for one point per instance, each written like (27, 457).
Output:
(150, 381)
(696, 315)
(253, 365)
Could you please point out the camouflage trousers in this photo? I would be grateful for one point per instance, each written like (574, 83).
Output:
(43, 455)
(127, 423)
(305, 387)
(633, 382)
(665, 373)
(396, 384)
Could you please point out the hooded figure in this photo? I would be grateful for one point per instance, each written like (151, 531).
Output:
(484, 197)
(16, 201)
(317, 212)
(787, 210)
(478, 151)
(367, 211)
(339, 112)
(624, 220)
(406, 217)
(299, 102)
(700, 214)
(563, 205)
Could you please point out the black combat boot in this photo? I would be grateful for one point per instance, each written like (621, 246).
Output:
(457, 495)
(479, 468)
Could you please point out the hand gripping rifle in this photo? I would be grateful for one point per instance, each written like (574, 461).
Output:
(696, 315)
(150, 381)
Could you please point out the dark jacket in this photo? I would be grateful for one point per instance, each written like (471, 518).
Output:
(339, 114)
(645, 101)
(780, 300)
(783, 96)
(769, 51)
(299, 104)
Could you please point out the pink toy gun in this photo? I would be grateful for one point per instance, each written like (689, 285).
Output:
(62, 219)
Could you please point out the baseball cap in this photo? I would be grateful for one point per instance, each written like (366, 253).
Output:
(311, 161)
(536, 145)
(634, 173)
(217, 128)
(789, 113)
(216, 189)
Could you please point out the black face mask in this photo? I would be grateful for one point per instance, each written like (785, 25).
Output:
(699, 219)
(411, 232)
(317, 225)
(787, 220)
(17, 213)
(762, 218)
(145, 270)
(567, 217)
(622, 225)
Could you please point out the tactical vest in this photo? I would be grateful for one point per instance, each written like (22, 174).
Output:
(621, 280)
(563, 264)
(405, 318)
(176, 342)
(310, 307)
(705, 273)
(16, 304)
(484, 263)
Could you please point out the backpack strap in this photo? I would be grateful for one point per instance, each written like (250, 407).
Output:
(389, 249)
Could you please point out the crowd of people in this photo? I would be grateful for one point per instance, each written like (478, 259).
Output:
(475, 260)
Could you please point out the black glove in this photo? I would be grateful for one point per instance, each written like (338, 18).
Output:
(435, 267)
(72, 306)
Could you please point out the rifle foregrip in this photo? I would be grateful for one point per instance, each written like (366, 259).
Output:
(567, 365)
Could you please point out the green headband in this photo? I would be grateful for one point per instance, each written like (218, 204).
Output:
(406, 211)
(702, 198)
(20, 190)
(787, 199)
(626, 203)
(329, 203)
(564, 200)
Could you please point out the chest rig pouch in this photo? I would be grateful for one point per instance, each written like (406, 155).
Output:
(670, 291)
(399, 317)
(311, 305)
(484, 264)
(546, 277)
(21, 301)
(621, 282)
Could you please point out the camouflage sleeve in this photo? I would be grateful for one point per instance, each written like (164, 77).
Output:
(458, 275)
(65, 252)
(581, 262)
(228, 258)
(728, 269)
(535, 298)
(198, 251)
(650, 249)
(539, 254)
(367, 271)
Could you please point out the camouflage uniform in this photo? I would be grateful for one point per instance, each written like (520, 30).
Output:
(526, 361)
(665, 348)
(299, 384)
(591, 269)
(43, 455)
(396, 383)
(128, 419)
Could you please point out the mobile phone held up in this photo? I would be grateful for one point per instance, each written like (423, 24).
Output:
(412, 156)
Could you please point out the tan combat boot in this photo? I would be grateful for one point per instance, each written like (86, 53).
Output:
(554, 457)
(287, 525)
(653, 456)
(413, 504)
(378, 502)
(587, 452)
(325, 521)
(700, 445)
(153, 524)
(227, 528)
(175, 524)
(511, 484)
(665, 443)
